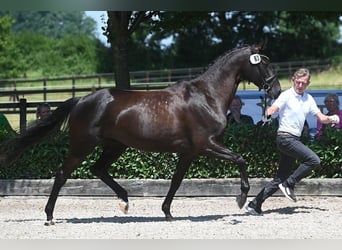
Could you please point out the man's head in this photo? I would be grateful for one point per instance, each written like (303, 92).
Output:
(236, 104)
(301, 80)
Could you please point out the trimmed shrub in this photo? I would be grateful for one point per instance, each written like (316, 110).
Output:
(255, 143)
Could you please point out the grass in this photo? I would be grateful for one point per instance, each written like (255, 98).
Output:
(330, 79)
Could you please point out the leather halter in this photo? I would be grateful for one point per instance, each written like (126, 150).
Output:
(256, 59)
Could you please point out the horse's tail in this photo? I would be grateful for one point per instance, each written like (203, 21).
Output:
(12, 148)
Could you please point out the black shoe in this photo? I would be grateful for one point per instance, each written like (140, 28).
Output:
(288, 192)
(252, 209)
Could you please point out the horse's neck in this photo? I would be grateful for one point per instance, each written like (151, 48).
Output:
(220, 81)
(220, 95)
(221, 86)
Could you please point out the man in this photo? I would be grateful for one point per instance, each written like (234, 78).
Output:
(235, 115)
(293, 105)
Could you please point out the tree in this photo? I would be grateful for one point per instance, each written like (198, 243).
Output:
(31, 48)
(199, 37)
(120, 27)
(49, 43)
(8, 49)
(289, 35)
(55, 24)
(71, 55)
(305, 35)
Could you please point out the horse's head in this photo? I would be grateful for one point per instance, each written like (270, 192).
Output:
(259, 71)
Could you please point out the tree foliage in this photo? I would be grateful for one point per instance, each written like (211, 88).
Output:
(121, 26)
(48, 43)
(199, 37)
(54, 24)
(289, 35)
(62, 43)
(8, 50)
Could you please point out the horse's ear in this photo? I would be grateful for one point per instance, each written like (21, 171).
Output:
(256, 48)
(261, 45)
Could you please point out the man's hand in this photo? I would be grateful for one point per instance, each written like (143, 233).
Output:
(334, 119)
(266, 119)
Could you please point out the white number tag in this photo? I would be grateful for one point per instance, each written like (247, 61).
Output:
(255, 59)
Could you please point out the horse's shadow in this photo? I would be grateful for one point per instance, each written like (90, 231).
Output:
(294, 210)
(203, 218)
(287, 210)
(139, 219)
(127, 219)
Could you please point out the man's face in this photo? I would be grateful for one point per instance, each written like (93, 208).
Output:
(44, 112)
(235, 106)
(331, 104)
(300, 84)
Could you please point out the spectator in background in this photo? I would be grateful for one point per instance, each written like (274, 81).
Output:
(43, 111)
(333, 106)
(235, 116)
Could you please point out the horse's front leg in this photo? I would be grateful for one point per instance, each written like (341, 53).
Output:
(241, 199)
(216, 150)
(182, 166)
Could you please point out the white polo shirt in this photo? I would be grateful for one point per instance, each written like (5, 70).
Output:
(293, 109)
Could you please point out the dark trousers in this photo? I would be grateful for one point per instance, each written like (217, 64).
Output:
(291, 149)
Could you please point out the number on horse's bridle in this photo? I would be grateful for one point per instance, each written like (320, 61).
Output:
(256, 59)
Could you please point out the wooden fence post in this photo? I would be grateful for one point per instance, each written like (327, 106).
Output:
(44, 90)
(22, 115)
(73, 86)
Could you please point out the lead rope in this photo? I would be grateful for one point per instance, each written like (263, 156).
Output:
(265, 119)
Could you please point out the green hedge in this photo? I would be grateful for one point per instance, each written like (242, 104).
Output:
(256, 144)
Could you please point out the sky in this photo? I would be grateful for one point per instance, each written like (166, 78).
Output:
(98, 16)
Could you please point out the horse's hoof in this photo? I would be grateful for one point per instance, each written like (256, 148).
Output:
(123, 205)
(49, 223)
(169, 218)
(241, 200)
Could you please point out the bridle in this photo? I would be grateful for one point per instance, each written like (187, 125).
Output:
(256, 59)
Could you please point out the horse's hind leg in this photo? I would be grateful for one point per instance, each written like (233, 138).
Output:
(182, 166)
(216, 150)
(62, 175)
(100, 169)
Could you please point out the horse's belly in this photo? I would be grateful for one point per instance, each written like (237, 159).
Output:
(154, 144)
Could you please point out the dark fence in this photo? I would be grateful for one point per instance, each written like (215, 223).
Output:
(151, 79)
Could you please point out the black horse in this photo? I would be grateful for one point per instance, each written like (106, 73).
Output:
(187, 118)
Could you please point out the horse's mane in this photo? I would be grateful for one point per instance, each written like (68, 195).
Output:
(226, 56)
(211, 67)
